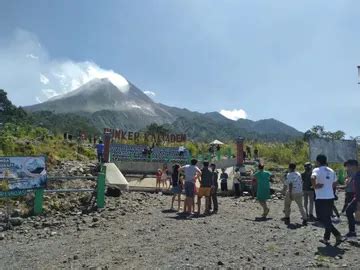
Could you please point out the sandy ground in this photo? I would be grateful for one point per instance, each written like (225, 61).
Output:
(136, 231)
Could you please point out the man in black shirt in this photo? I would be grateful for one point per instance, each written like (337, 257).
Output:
(214, 188)
(308, 191)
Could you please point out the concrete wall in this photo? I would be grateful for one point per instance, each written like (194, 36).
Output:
(144, 167)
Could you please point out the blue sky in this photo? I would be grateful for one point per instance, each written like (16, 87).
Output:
(290, 60)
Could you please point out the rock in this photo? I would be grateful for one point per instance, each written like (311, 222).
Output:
(297, 253)
(76, 257)
(53, 233)
(95, 219)
(2, 236)
(16, 221)
(220, 263)
(94, 225)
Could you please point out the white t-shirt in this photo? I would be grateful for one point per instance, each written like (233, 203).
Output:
(295, 179)
(326, 176)
(190, 172)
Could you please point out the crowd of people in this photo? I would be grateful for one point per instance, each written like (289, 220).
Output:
(313, 191)
(316, 187)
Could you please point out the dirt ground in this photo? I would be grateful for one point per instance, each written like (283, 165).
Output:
(137, 231)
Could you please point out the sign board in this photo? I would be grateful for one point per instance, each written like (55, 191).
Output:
(336, 151)
(118, 134)
(20, 174)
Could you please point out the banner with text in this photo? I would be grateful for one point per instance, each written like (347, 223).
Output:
(118, 134)
(18, 174)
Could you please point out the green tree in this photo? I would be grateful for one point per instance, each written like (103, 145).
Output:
(320, 132)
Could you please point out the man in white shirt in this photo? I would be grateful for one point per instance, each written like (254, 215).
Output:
(323, 180)
(294, 192)
(192, 173)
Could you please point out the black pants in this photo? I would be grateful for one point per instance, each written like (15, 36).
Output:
(348, 198)
(324, 209)
(214, 200)
(224, 186)
(351, 209)
(237, 189)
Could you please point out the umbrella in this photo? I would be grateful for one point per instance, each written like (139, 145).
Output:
(216, 142)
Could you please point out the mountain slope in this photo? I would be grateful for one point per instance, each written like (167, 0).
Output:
(104, 105)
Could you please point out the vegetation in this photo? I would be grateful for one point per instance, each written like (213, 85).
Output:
(320, 132)
(40, 133)
(18, 137)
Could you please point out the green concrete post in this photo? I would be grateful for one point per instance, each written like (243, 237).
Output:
(39, 200)
(100, 190)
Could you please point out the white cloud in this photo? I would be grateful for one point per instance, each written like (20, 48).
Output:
(44, 79)
(50, 93)
(150, 93)
(234, 114)
(38, 99)
(19, 75)
(30, 55)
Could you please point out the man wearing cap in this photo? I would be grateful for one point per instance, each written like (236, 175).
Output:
(309, 193)
(324, 181)
(353, 167)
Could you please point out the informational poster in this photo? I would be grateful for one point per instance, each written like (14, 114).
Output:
(336, 151)
(19, 174)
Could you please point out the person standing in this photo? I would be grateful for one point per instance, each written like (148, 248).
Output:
(165, 177)
(158, 179)
(214, 188)
(205, 188)
(262, 180)
(354, 204)
(349, 187)
(176, 186)
(223, 180)
(192, 172)
(309, 193)
(100, 151)
(248, 151)
(294, 193)
(323, 180)
(236, 181)
(256, 154)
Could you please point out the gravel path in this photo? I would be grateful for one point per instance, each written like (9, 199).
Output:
(136, 232)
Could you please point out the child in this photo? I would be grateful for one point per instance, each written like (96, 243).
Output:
(158, 179)
(164, 176)
(224, 177)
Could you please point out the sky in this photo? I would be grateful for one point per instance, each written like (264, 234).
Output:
(294, 61)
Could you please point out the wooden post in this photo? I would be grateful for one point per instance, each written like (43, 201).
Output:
(239, 151)
(38, 202)
(100, 191)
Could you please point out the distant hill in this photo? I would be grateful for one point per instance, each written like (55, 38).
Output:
(99, 104)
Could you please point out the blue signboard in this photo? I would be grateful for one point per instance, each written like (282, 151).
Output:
(21, 174)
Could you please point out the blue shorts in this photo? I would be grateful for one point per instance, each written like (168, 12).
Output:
(176, 190)
(189, 189)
